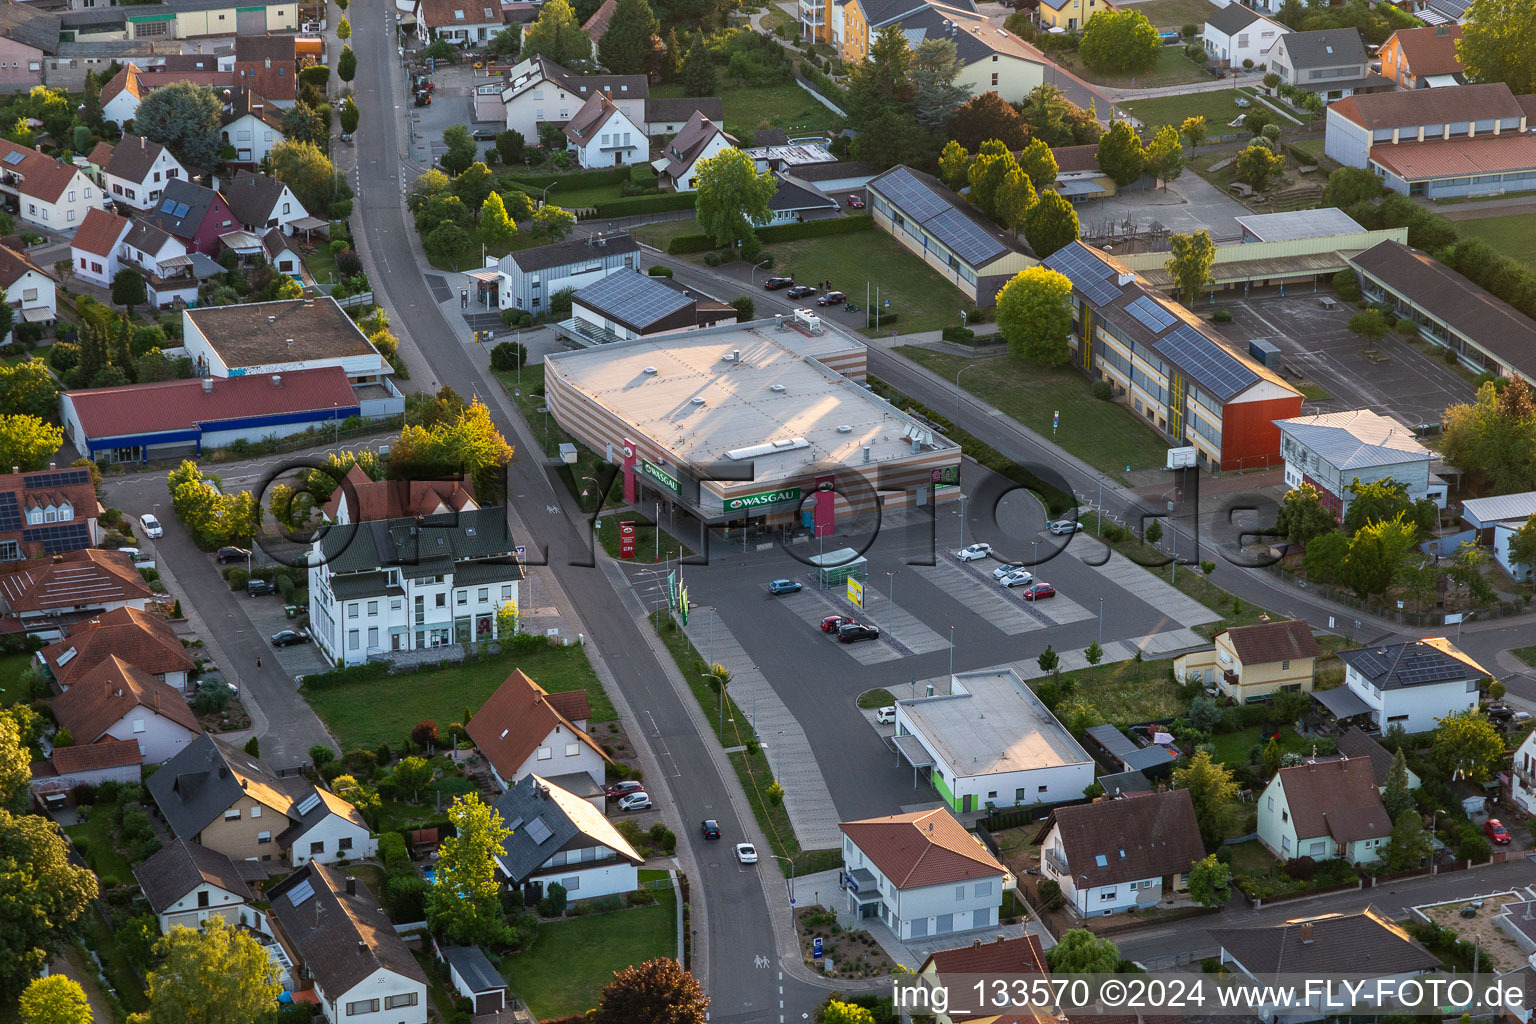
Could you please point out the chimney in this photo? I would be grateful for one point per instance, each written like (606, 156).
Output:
(351, 886)
(736, 356)
(1306, 933)
(277, 380)
(362, 948)
(975, 943)
(207, 385)
(15, 469)
(143, 144)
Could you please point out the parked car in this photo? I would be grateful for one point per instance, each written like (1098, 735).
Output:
(621, 789)
(1496, 832)
(853, 632)
(151, 525)
(773, 284)
(800, 291)
(784, 586)
(1006, 569)
(974, 552)
(746, 853)
(831, 622)
(255, 588)
(1038, 592)
(227, 555)
(1061, 526)
(289, 638)
(1500, 713)
(711, 828)
(1018, 578)
(832, 299)
(635, 802)
(886, 715)
(855, 202)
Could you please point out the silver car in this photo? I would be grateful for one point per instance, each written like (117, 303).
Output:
(1006, 569)
(1018, 579)
(1061, 526)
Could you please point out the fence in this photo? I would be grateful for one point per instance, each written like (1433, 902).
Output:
(1323, 590)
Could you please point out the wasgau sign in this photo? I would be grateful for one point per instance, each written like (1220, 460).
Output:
(777, 497)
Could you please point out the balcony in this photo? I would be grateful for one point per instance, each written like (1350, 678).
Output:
(1053, 860)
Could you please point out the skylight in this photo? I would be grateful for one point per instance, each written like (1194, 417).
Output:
(1101, 861)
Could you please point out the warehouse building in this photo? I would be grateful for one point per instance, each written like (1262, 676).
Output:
(766, 422)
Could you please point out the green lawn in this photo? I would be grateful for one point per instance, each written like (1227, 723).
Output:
(923, 300)
(1232, 747)
(1217, 108)
(366, 714)
(579, 195)
(1125, 693)
(876, 699)
(663, 231)
(564, 970)
(94, 840)
(648, 547)
(1514, 235)
(1173, 68)
(748, 108)
(1106, 435)
(11, 691)
(1526, 654)
(1172, 15)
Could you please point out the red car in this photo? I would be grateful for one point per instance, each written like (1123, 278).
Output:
(855, 203)
(831, 622)
(622, 789)
(1496, 832)
(1039, 591)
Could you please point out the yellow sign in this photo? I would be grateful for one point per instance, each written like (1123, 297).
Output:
(856, 592)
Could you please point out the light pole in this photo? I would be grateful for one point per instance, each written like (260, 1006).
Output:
(719, 682)
(1034, 553)
(1101, 622)
(789, 883)
(755, 267)
(545, 410)
(892, 575)
(594, 484)
(544, 194)
(951, 655)
(957, 387)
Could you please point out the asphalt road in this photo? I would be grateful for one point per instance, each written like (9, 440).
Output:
(737, 925)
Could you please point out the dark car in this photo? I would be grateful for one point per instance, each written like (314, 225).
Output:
(253, 588)
(800, 291)
(855, 203)
(853, 632)
(1497, 832)
(832, 299)
(784, 586)
(773, 284)
(227, 555)
(711, 828)
(483, 135)
(289, 638)
(831, 622)
(624, 788)
(1499, 712)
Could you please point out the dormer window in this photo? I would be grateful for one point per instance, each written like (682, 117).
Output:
(50, 515)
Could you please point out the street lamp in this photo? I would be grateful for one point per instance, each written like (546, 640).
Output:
(594, 484)
(1101, 622)
(544, 193)
(719, 682)
(789, 883)
(951, 655)
(892, 575)
(755, 267)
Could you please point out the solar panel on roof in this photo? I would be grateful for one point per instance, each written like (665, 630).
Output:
(301, 892)
(635, 298)
(14, 158)
(969, 240)
(1088, 275)
(181, 210)
(10, 513)
(167, 206)
(59, 538)
(916, 199)
(1207, 363)
(1152, 316)
(538, 831)
(58, 478)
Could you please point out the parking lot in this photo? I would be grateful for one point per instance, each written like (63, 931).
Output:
(1389, 375)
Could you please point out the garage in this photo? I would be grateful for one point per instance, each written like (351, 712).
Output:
(476, 979)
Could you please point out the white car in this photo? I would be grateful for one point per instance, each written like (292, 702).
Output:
(1006, 569)
(1018, 579)
(746, 853)
(636, 802)
(1066, 526)
(886, 715)
(974, 552)
(152, 527)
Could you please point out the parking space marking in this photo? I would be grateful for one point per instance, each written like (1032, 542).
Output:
(1062, 610)
(982, 595)
(813, 605)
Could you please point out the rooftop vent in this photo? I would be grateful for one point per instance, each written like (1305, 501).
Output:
(729, 357)
(207, 385)
(776, 387)
(277, 380)
(650, 370)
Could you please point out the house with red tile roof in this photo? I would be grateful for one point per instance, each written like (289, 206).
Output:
(45, 513)
(265, 65)
(94, 250)
(523, 728)
(47, 594)
(998, 957)
(1423, 58)
(597, 26)
(140, 638)
(91, 765)
(604, 136)
(29, 290)
(47, 192)
(116, 701)
(920, 874)
(360, 499)
(120, 97)
(461, 22)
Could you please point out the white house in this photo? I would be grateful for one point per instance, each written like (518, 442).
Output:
(1235, 34)
(539, 91)
(164, 260)
(186, 884)
(326, 829)
(339, 939)
(562, 839)
(47, 192)
(603, 136)
(1497, 519)
(526, 278)
(989, 742)
(252, 126)
(1522, 777)
(701, 139)
(116, 701)
(1325, 810)
(259, 202)
(921, 874)
(138, 171)
(368, 596)
(121, 95)
(68, 767)
(522, 729)
(94, 250)
(1331, 450)
(1126, 854)
(29, 290)
(1412, 684)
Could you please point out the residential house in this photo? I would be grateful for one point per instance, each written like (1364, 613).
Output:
(1332, 450)
(219, 796)
(93, 251)
(46, 192)
(603, 136)
(141, 639)
(999, 958)
(47, 594)
(1331, 62)
(1497, 519)
(1120, 855)
(340, 941)
(667, 116)
(116, 701)
(522, 728)
(701, 139)
(165, 262)
(194, 214)
(992, 59)
(947, 233)
(1170, 367)
(260, 202)
(1236, 35)
(1324, 810)
(1423, 58)
(1070, 15)
(281, 255)
(538, 91)
(475, 978)
(560, 838)
(138, 171)
(361, 500)
(1413, 684)
(47, 512)
(121, 96)
(597, 26)
(921, 874)
(266, 65)
(797, 200)
(1355, 744)
(68, 768)
(622, 307)
(29, 290)
(460, 22)
(27, 36)
(411, 584)
(527, 278)
(186, 884)
(1366, 946)
(1253, 663)
(1522, 775)
(252, 126)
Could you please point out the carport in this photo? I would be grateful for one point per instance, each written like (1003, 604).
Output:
(915, 754)
(1342, 703)
(476, 979)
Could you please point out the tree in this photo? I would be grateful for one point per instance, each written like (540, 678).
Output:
(429, 184)
(732, 196)
(7, 321)
(1048, 660)
(1379, 501)
(1493, 439)
(1050, 116)
(698, 69)
(90, 107)
(1093, 653)
(507, 620)
(1050, 224)
(746, 308)
(305, 169)
(219, 975)
(461, 147)
(1324, 558)
(1350, 185)
(301, 123)
(892, 138)
(28, 387)
(447, 244)
(553, 223)
(185, 119)
(1039, 163)
(343, 30)
(1210, 882)
(350, 116)
(1213, 791)
(56, 999)
(1034, 314)
(1301, 517)
(988, 116)
(15, 767)
(558, 35)
(1190, 263)
(1257, 164)
(411, 776)
(935, 95)
(1079, 951)
(1395, 794)
(473, 185)
(506, 42)
(1410, 842)
(496, 229)
(41, 897)
(346, 65)
(1164, 155)
(1120, 42)
(880, 84)
(1194, 129)
(1375, 551)
(1370, 324)
(1522, 544)
(509, 146)
(465, 902)
(1467, 570)
(1273, 758)
(632, 43)
(467, 442)
(28, 442)
(1498, 43)
(838, 1012)
(992, 164)
(128, 289)
(1467, 746)
(1417, 579)
(1120, 154)
(1014, 198)
(657, 991)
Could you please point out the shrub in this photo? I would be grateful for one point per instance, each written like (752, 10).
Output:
(711, 259)
(1103, 389)
(1448, 356)
(1347, 285)
(508, 355)
(1051, 897)
(405, 897)
(392, 849)
(658, 271)
(957, 334)
(553, 904)
(1222, 316)
(213, 696)
(238, 578)
(629, 206)
(426, 735)
(1406, 327)
(1189, 30)
(1301, 868)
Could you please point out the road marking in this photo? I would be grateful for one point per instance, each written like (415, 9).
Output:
(759, 961)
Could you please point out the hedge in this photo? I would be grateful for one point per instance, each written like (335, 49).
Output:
(357, 673)
(683, 244)
(581, 179)
(630, 205)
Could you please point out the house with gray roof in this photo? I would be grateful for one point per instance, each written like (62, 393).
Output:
(1332, 450)
(27, 36)
(1497, 519)
(557, 837)
(798, 200)
(411, 583)
(699, 140)
(186, 884)
(1331, 62)
(260, 202)
(1413, 684)
(622, 307)
(527, 278)
(1235, 33)
(138, 171)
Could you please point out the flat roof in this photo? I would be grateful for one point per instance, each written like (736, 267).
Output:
(289, 330)
(1500, 508)
(1297, 224)
(995, 725)
(778, 405)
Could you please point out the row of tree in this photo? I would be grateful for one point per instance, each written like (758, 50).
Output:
(213, 517)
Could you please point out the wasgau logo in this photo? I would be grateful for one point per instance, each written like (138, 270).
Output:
(765, 498)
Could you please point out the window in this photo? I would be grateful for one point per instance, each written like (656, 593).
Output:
(362, 1006)
(1285, 665)
(263, 837)
(572, 749)
(233, 814)
(344, 843)
(983, 889)
(373, 637)
(405, 999)
(506, 592)
(138, 725)
(1271, 803)
(544, 754)
(352, 610)
(959, 893)
(463, 597)
(483, 595)
(1044, 788)
(317, 847)
(29, 295)
(353, 639)
(994, 78)
(442, 600)
(256, 811)
(373, 607)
